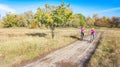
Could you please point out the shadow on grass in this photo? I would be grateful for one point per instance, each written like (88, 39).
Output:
(36, 34)
(74, 37)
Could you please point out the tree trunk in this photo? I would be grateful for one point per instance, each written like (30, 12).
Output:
(52, 34)
(52, 30)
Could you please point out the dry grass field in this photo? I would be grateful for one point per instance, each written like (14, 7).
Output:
(18, 44)
(108, 52)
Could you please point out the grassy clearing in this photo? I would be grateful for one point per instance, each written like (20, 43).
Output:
(21, 44)
(108, 52)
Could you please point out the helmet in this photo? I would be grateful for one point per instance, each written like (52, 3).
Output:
(92, 28)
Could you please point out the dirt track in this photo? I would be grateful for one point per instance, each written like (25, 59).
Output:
(74, 55)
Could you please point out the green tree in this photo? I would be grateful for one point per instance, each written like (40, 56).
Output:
(21, 21)
(90, 21)
(82, 20)
(65, 13)
(75, 21)
(96, 18)
(13, 20)
(105, 21)
(117, 22)
(78, 20)
(55, 16)
(47, 6)
(38, 15)
(28, 16)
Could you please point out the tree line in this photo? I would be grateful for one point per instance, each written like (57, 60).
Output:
(103, 21)
(56, 16)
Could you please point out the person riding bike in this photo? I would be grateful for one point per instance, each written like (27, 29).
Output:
(92, 33)
(82, 32)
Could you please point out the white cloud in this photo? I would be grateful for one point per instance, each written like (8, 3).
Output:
(85, 11)
(101, 12)
(110, 10)
(6, 8)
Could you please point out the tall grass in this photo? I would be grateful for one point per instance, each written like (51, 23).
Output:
(108, 52)
(21, 44)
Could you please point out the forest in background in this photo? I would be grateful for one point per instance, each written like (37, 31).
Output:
(56, 16)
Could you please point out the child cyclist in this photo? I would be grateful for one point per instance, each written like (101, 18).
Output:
(82, 32)
(92, 33)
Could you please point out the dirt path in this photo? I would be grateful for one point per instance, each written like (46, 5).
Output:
(74, 55)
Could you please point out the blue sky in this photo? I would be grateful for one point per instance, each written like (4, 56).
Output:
(86, 7)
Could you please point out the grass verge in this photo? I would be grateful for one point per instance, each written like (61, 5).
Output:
(108, 52)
